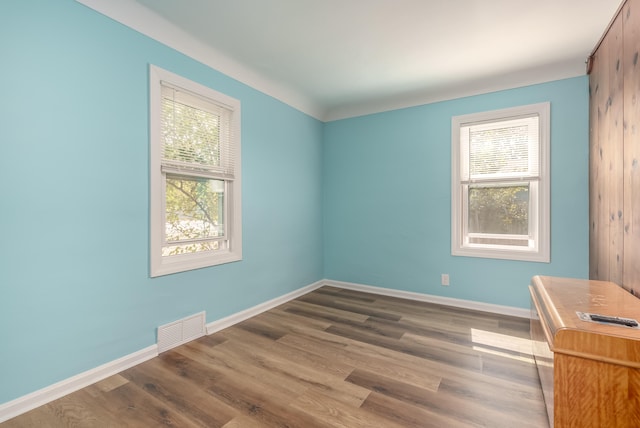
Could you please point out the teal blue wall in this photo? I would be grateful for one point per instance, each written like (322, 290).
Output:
(75, 290)
(387, 191)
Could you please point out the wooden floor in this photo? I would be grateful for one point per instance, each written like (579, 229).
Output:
(332, 358)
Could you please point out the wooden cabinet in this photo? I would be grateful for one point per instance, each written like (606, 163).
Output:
(590, 372)
(614, 166)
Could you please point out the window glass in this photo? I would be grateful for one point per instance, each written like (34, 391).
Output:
(500, 184)
(194, 214)
(195, 175)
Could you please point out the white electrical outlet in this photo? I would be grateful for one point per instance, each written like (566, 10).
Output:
(445, 279)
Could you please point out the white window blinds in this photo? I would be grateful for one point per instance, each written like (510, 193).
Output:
(500, 150)
(196, 135)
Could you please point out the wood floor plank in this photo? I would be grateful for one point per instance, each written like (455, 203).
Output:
(365, 335)
(73, 412)
(324, 313)
(285, 319)
(331, 358)
(266, 364)
(526, 398)
(333, 413)
(522, 405)
(108, 384)
(131, 406)
(180, 394)
(467, 412)
(251, 396)
(411, 416)
(348, 305)
(371, 357)
(303, 357)
(272, 362)
(237, 369)
(243, 421)
(447, 353)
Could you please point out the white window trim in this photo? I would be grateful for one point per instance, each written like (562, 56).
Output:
(541, 252)
(160, 265)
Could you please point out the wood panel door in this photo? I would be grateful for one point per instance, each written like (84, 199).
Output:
(631, 70)
(614, 179)
(606, 158)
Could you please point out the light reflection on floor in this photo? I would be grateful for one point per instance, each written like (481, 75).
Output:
(515, 348)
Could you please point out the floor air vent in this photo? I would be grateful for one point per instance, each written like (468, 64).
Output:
(181, 331)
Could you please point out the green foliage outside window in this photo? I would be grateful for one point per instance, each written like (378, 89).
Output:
(499, 210)
(194, 205)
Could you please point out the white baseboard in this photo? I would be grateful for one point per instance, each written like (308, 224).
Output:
(447, 301)
(223, 323)
(43, 396)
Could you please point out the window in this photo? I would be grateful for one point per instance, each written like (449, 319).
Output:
(500, 184)
(195, 175)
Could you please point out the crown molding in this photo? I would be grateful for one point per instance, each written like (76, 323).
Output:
(141, 19)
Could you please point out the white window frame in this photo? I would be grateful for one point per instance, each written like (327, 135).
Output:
(164, 265)
(538, 249)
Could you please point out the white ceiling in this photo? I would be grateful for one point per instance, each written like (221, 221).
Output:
(341, 58)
